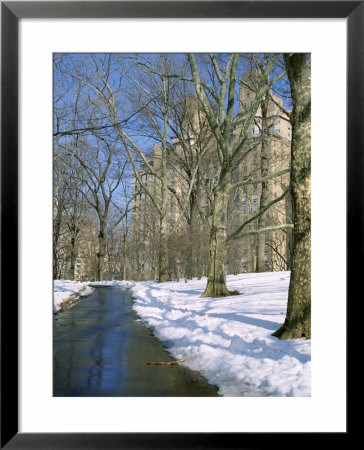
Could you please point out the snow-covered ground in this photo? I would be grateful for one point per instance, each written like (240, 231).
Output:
(229, 340)
(64, 291)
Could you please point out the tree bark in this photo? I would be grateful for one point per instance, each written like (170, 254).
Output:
(298, 319)
(216, 276)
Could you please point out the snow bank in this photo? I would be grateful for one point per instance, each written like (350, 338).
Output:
(230, 339)
(64, 291)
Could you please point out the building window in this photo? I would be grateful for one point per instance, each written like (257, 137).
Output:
(255, 198)
(255, 207)
(237, 212)
(244, 259)
(236, 202)
(216, 179)
(245, 208)
(276, 121)
(289, 134)
(207, 181)
(255, 187)
(243, 199)
(255, 156)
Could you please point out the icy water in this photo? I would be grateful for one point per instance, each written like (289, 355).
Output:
(101, 349)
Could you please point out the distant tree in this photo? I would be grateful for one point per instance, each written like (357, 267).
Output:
(102, 173)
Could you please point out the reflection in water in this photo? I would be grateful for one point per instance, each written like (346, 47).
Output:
(100, 349)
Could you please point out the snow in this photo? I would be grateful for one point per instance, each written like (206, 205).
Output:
(65, 290)
(228, 340)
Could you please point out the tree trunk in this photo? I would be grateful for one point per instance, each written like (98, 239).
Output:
(216, 282)
(55, 263)
(298, 319)
(191, 238)
(163, 251)
(289, 231)
(56, 234)
(124, 254)
(73, 258)
(101, 253)
(264, 196)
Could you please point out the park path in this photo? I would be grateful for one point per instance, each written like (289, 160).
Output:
(101, 349)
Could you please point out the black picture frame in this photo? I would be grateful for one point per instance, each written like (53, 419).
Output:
(11, 12)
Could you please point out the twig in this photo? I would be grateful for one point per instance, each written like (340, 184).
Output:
(162, 363)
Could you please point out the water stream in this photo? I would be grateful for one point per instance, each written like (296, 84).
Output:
(101, 349)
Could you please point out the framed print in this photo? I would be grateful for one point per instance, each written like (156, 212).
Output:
(38, 414)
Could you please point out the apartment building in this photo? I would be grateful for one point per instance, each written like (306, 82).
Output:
(267, 151)
(270, 143)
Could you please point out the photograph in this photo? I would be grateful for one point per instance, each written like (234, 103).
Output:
(182, 224)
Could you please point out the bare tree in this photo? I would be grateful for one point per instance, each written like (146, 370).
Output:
(220, 118)
(102, 173)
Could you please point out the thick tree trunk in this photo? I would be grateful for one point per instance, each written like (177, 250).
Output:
(298, 319)
(289, 231)
(216, 277)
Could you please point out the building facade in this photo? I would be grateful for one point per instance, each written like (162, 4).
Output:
(266, 151)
